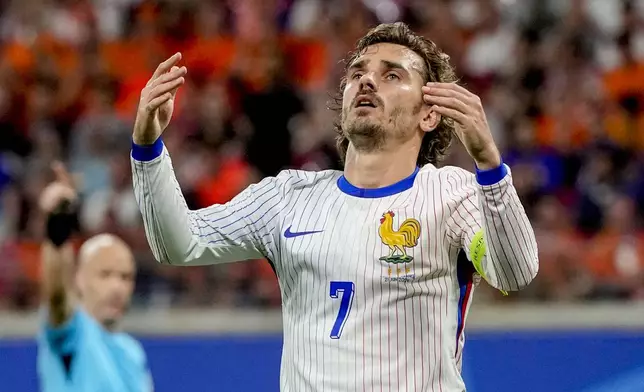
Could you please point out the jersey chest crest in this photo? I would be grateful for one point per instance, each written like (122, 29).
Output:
(401, 238)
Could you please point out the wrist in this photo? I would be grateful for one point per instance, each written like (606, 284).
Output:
(491, 176)
(61, 223)
(146, 152)
(142, 141)
(489, 161)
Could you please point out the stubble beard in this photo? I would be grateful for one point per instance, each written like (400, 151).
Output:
(368, 136)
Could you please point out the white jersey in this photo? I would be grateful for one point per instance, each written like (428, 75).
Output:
(376, 283)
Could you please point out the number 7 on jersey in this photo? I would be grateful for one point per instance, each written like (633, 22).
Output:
(345, 289)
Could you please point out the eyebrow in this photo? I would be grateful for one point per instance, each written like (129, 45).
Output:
(387, 63)
(357, 65)
(393, 65)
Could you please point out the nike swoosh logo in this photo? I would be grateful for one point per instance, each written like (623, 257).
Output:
(289, 234)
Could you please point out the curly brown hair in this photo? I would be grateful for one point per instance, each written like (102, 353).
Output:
(437, 69)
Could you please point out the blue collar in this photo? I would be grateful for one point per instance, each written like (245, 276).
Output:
(374, 193)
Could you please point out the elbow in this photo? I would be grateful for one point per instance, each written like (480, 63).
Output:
(171, 251)
(530, 265)
(530, 274)
(190, 254)
(174, 257)
(194, 251)
(161, 260)
(526, 273)
(165, 255)
(523, 264)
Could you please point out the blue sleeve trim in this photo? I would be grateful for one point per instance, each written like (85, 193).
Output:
(148, 152)
(491, 176)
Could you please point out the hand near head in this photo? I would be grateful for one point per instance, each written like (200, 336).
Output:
(61, 189)
(157, 101)
(470, 123)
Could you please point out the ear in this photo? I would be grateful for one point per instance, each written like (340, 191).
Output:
(430, 119)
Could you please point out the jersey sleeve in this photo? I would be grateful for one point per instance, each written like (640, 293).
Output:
(64, 339)
(138, 352)
(241, 229)
(490, 224)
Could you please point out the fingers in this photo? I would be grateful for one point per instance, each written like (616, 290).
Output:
(161, 89)
(172, 70)
(454, 114)
(175, 68)
(165, 66)
(449, 101)
(61, 174)
(158, 101)
(447, 90)
(175, 72)
(453, 87)
(166, 83)
(54, 194)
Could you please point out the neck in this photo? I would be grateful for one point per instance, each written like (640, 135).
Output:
(378, 169)
(108, 324)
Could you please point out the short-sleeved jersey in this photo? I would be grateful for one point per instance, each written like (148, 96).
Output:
(375, 283)
(81, 356)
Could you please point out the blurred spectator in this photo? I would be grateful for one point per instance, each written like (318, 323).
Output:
(99, 134)
(538, 169)
(562, 274)
(269, 103)
(598, 186)
(616, 255)
(492, 42)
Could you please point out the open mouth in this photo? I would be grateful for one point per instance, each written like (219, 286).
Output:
(364, 102)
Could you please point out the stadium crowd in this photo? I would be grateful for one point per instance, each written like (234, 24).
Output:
(561, 81)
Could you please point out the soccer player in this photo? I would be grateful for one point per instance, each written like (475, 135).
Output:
(79, 346)
(376, 264)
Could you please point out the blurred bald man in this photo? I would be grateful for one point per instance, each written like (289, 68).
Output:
(79, 346)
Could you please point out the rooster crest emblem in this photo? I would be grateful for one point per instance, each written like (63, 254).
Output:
(398, 240)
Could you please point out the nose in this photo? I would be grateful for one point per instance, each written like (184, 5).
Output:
(368, 82)
(118, 287)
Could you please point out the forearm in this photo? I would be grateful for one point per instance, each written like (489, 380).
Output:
(57, 256)
(58, 281)
(176, 234)
(510, 259)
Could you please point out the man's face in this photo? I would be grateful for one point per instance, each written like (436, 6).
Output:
(382, 99)
(106, 282)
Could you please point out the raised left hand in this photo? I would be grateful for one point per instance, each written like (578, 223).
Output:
(470, 124)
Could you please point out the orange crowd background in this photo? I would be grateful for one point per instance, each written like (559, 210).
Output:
(561, 81)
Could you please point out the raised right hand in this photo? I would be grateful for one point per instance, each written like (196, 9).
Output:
(61, 189)
(157, 101)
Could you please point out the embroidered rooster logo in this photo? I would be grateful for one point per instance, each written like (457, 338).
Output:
(397, 240)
